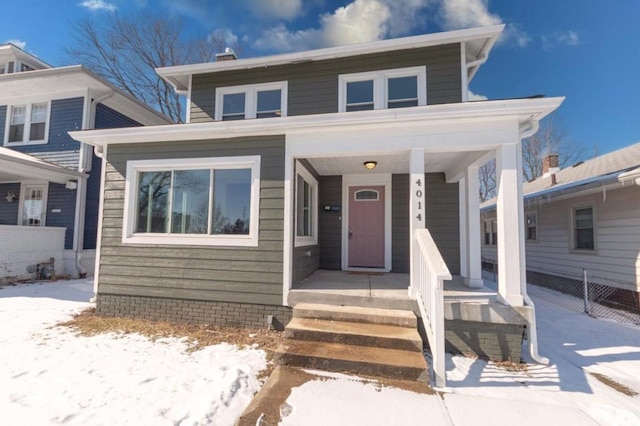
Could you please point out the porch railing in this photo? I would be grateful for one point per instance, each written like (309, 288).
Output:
(431, 272)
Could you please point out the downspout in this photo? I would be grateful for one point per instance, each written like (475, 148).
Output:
(529, 128)
(84, 167)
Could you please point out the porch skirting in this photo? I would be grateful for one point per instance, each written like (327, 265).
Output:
(497, 342)
(192, 311)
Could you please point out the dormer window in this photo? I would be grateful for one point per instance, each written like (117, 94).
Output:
(396, 88)
(251, 101)
(28, 124)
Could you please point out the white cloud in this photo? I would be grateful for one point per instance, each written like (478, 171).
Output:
(358, 22)
(475, 97)
(19, 43)
(98, 5)
(565, 38)
(458, 14)
(276, 9)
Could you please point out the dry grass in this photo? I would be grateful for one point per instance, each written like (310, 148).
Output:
(88, 323)
(511, 366)
(614, 385)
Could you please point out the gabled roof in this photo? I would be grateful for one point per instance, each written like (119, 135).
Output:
(77, 79)
(613, 163)
(10, 49)
(478, 43)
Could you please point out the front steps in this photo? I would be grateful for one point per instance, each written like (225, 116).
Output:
(368, 341)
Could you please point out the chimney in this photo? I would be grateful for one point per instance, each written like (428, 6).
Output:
(227, 55)
(549, 165)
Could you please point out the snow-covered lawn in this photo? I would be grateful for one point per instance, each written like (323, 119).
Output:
(51, 376)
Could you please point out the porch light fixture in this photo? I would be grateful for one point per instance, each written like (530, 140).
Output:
(370, 165)
(10, 197)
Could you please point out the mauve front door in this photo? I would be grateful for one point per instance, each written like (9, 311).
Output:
(366, 226)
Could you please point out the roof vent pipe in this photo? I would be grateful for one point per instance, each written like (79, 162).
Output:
(227, 55)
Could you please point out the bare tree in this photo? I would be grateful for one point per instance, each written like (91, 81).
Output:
(126, 50)
(551, 138)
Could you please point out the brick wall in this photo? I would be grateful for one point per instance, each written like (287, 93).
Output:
(192, 311)
(498, 342)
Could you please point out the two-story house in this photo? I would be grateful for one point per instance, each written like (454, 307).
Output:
(292, 165)
(49, 182)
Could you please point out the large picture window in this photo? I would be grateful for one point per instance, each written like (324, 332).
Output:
(395, 88)
(27, 124)
(212, 201)
(306, 207)
(251, 101)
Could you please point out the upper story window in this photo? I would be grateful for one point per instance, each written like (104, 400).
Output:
(27, 124)
(251, 101)
(396, 88)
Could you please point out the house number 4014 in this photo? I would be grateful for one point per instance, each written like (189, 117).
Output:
(419, 197)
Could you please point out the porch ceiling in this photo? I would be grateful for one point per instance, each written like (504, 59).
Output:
(392, 163)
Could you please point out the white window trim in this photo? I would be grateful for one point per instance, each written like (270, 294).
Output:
(27, 124)
(526, 226)
(493, 224)
(45, 199)
(380, 86)
(312, 240)
(572, 243)
(251, 97)
(130, 199)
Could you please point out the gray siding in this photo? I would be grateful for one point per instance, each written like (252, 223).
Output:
(329, 223)
(441, 218)
(616, 259)
(232, 274)
(61, 198)
(313, 86)
(306, 261)
(400, 224)
(9, 211)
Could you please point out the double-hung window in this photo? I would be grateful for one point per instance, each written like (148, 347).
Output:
(204, 201)
(306, 207)
(583, 228)
(531, 226)
(251, 101)
(27, 124)
(490, 232)
(395, 88)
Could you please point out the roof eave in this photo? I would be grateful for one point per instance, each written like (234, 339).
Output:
(177, 75)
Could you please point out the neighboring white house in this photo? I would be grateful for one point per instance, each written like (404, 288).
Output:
(586, 216)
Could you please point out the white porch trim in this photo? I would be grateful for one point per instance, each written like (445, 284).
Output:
(472, 245)
(510, 215)
(364, 180)
(417, 209)
(462, 216)
(287, 252)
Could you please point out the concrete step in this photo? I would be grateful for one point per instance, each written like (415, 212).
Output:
(382, 362)
(357, 314)
(329, 298)
(354, 333)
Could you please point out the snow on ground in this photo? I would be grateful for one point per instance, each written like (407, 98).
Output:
(480, 393)
(48, 375)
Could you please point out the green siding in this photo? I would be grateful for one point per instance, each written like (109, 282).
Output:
(313, 86)
(227, 274)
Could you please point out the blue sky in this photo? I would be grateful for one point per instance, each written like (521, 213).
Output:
(586, 50)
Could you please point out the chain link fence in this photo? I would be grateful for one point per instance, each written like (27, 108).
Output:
(586, 292)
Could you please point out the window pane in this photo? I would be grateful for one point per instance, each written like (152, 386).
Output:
(584, 239)
(360, 92)
(233, 104)
(402, 104)
(269, 104)
(300, 204)
(190, 203)
(584, 218)
(366, 195)
(18, 114)
(37, 132)
(232, 201)
(153, 202)
(361, 107)
(38, 113)
(16, 132)
(403, 88)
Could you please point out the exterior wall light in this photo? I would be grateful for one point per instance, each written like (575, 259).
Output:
(370, 165)
(10, 197)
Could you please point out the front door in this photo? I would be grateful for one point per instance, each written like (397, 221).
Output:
(366, 227)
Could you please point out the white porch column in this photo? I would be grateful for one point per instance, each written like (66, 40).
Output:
(474, 254)
(511, 272)
(416, 208)
(462, 212)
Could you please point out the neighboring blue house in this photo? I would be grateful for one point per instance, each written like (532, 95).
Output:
(49, 183)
